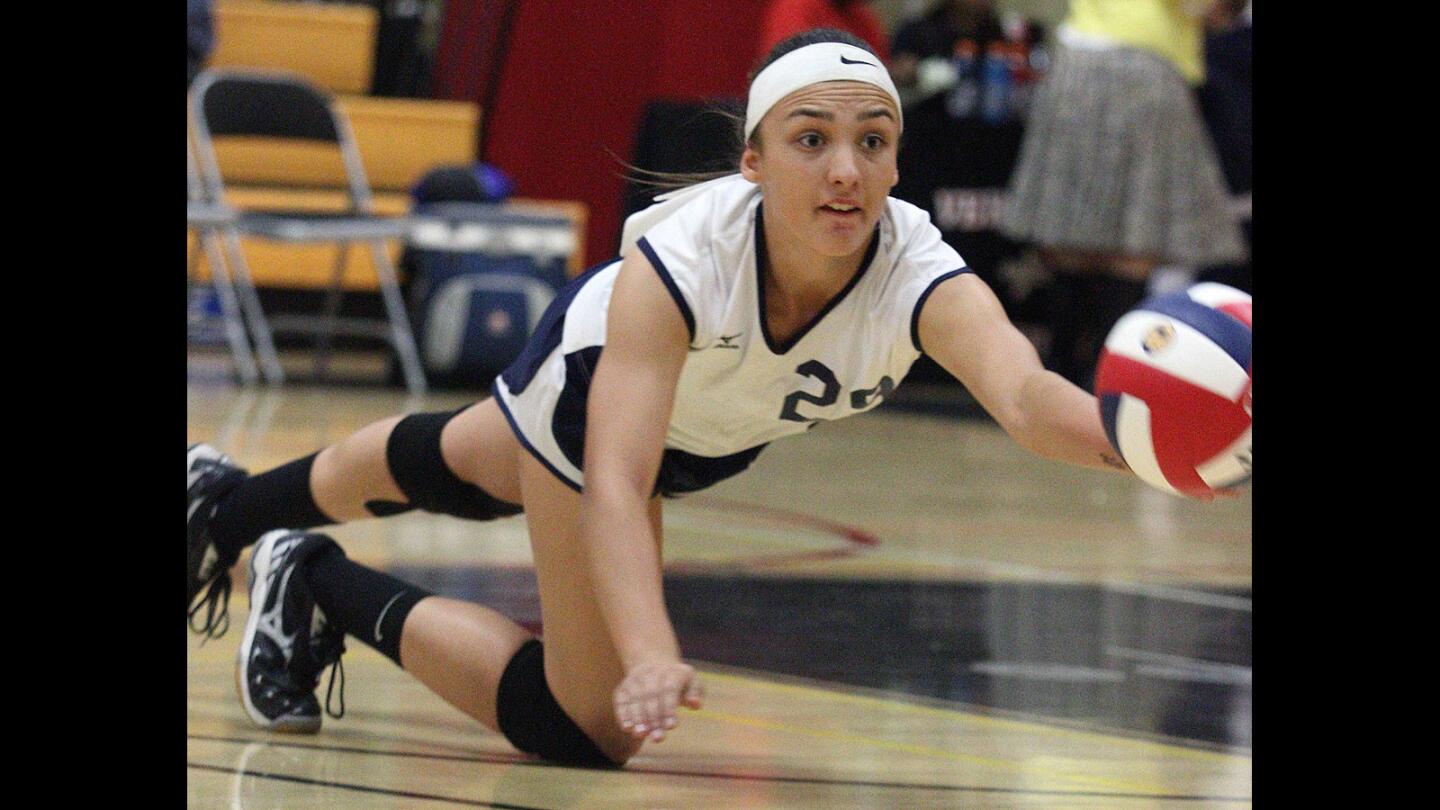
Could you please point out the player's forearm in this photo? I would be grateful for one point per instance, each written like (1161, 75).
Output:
(1062, 422)
(625, 569)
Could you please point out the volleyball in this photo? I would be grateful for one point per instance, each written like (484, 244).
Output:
(1173, 380)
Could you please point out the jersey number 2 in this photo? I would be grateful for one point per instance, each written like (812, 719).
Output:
(822, 372)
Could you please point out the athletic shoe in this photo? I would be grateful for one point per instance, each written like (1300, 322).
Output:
(287, 642)
(209, 477)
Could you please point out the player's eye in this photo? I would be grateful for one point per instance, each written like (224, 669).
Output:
(810, 140)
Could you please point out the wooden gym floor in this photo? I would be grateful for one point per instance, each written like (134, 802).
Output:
(894, 610)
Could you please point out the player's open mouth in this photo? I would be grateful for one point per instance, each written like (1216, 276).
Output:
(842, 209)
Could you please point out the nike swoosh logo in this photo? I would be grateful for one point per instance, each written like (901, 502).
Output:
(383, 611)
(845, 61)
(272, 619)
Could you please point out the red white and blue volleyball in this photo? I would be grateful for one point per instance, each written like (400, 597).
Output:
(1173, 382)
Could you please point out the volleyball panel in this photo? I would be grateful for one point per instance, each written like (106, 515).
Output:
(1174, 386)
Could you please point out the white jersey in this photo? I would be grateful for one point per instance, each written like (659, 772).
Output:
(739, 389)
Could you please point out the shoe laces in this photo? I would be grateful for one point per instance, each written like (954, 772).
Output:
(329, 649)
(216, 603)
(339, 667)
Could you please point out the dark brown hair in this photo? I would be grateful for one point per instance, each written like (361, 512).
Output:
(670, 181)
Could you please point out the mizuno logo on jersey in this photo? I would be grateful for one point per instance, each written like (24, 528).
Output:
(723, 344)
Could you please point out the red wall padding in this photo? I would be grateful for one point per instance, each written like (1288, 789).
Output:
(576, 79)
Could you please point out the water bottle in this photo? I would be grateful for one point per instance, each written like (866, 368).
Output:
(996, 81)
(961, 101)
(1023, 77)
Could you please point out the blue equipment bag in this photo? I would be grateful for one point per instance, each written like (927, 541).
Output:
(481, 276)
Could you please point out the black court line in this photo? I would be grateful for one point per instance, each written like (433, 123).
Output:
(285, 777)
(736, 777)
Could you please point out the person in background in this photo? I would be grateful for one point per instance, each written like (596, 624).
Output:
(199, 36)
(785, 18)
(1117, 175)
(931, 40)
(1225, 101)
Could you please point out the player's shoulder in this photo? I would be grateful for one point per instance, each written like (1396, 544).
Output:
(722, 207)
(710, 231)
(907, 218)
(915, 241)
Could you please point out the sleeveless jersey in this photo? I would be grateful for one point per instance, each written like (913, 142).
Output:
(739, 389)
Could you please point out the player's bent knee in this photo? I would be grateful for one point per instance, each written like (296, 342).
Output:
(419, 469)
(532, 720)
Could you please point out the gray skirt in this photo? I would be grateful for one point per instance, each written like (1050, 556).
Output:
(1116, 159)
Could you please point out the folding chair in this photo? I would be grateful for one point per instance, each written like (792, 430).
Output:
(206, 219)
(267, 104)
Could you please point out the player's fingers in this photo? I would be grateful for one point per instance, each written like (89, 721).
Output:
(694, 693)
(670, 701)
(624, 710)
(632, 712)
(655, 707)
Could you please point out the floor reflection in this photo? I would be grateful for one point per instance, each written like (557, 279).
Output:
(1132, 661)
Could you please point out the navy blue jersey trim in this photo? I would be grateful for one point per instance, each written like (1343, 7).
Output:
(664, 272)
(524, 442)
(567, 421)
(548, 332)
(762, 265)
(920, 302)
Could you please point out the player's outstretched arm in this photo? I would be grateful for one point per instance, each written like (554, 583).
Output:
(963, 327)
(628, 412)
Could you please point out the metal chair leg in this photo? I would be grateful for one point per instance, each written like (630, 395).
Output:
(229, 309)
(401, 334)
(254, 315)
(325, 338)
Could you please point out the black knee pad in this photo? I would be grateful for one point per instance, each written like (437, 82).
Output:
(531, 719)
(413, 454)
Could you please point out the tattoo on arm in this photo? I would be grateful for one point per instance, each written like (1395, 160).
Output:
(1113, 461)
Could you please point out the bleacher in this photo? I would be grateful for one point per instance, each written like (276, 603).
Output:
(399, 140)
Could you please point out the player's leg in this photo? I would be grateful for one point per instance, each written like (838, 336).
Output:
(554, 700)
(580, 665)
(459, 464)
(377, 472)
(306, 597)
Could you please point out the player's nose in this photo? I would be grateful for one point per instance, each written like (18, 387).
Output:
(843, 169)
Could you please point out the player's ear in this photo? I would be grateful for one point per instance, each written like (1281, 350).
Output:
(750, 163)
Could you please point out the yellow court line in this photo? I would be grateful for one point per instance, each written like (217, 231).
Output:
(979, 719)
(1087, 780)
(908, 748)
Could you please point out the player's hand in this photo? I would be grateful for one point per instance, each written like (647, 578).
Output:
(647, 698)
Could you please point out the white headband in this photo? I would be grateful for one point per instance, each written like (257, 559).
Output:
(821, 62)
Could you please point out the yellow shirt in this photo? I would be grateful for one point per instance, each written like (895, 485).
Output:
(1173, 29)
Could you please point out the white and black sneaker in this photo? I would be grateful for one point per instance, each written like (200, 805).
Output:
(209, 476)
(287, 642)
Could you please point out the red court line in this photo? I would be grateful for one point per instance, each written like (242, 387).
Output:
(854, 534)
(763, 561)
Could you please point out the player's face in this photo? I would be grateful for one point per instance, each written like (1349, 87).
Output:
(826, 162)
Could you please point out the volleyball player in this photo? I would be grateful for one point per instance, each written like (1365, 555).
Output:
(743, 309)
